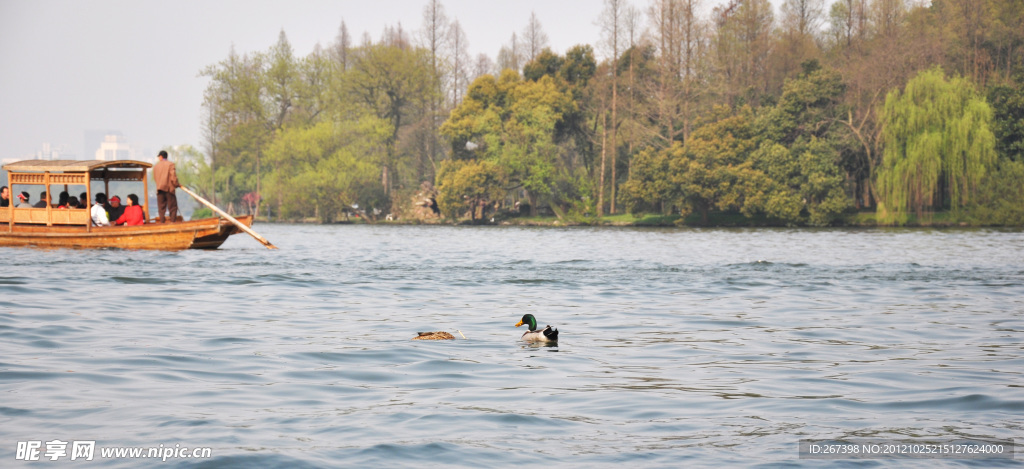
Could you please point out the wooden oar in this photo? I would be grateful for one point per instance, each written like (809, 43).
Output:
(229, 218)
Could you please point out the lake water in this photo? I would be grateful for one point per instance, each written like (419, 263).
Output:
(678, 347)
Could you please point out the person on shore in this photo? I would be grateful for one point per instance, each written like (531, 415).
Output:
(132, 215)
(23, 200)
(114, 208)
(5, 197)
(42, 201)
(166, 182)
(99, 212)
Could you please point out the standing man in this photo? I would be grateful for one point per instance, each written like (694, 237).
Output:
(166, 181)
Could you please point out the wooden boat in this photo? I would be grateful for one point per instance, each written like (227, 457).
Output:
(50, 227)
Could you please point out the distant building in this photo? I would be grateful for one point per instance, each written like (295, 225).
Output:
(115, 147)
(47, 151)
(50, 151)
(92, 139)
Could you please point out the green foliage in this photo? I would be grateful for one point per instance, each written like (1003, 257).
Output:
(193, 169)
(512, 123)
(393, 82)
(358, 125)
(938, 146)
(1001, 198)
(649, 186)
(773, 166)
(322, 170)
(806, 107)
(546, 63)
(712, 170)
(579, 66)
(804, 184)
(1008, 117)
(468, 186)
(201, 213)
(315, 137)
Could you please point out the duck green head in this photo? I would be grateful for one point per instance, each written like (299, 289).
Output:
(529, 320)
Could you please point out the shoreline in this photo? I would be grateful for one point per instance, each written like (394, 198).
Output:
(719, 220)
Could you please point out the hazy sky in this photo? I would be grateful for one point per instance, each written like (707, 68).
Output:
(67, 66)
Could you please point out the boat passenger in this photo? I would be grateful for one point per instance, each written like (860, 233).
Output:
(73, 203)
(62, 199)
(5, 197)
(23, 200)
(99, 213)
(132, 213)
(114, 208)
(83, 200)
(42, 201)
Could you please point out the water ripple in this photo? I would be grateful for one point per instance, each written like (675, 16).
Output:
(679, 347)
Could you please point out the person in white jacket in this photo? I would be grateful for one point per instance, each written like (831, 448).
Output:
(99, 211)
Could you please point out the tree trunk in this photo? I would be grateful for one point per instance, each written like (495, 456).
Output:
(615, 152)
(533, 203)
(604, 152)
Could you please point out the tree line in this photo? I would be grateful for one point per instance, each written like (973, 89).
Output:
(890, 106)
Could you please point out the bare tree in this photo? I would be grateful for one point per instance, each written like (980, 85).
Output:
(802, 17)
(681, 39)
(435, 37)
(799, 35)
(743, 45)
(459, 61)
(341, 47)
(511, 55)
(535, 38)
(632, 24)
(395, 36)
(610, 21)
(483, 65)
(435, 34)
(848, 21)
(887, 17)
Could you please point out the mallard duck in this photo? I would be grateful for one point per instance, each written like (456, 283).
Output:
(438, 335)
(547, 334)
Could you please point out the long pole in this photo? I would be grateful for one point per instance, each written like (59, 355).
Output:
(229, 218)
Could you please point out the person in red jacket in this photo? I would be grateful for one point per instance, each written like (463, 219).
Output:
(132, 215)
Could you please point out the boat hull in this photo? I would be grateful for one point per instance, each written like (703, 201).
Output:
(208, 233)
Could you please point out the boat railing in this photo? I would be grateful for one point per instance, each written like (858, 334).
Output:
(73, 216)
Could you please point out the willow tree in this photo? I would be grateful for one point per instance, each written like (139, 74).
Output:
(938, 146)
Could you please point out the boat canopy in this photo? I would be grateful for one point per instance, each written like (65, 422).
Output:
(31, 171)
(69, 172)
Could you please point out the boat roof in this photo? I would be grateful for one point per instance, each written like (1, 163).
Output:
(71, 166)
